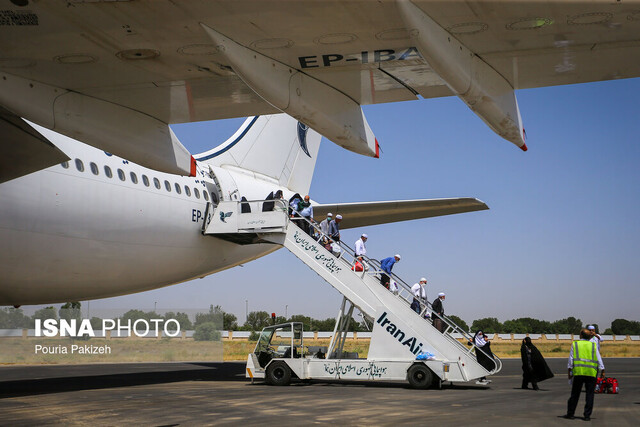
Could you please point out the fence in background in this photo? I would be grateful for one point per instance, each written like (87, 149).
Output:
(244, 335)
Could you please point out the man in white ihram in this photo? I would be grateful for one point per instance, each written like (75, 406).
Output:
(324, 225)
(594, 336)
(361, 249)
(419, 292)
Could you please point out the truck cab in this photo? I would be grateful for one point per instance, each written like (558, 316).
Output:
(275, 351)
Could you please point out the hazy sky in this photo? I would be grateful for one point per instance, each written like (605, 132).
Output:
(561, 237)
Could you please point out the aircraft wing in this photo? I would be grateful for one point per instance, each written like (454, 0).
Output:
(23, 150)
(374, 213)
(115, 73)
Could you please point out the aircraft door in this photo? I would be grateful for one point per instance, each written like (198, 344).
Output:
(227, 188)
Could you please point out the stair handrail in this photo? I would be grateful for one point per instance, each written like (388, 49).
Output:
(450, 323)
(401, 283)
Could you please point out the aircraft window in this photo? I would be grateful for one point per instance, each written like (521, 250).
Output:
(187, 191)
(205, 195)
(107, 171)
(134, 178)
(214, 197)
(65, 165)
(156, 182)
(79, 165)
(178, 190)
(145, 180)
(167, 186)
(94, 168)
(196, 193)
(121, 175)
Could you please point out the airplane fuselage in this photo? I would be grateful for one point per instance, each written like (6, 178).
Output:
(100, 226)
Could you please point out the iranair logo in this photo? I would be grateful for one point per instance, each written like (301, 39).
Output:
(224, 216)
(412, 343)
(302, 137)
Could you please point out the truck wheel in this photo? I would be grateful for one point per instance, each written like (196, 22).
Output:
(278, 373)
(419, 376)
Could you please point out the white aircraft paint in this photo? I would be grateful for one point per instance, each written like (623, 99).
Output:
(100, 226)
(70, 234)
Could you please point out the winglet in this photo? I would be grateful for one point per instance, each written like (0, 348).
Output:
(523, 147)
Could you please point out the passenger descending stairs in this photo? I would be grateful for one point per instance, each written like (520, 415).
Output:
(361, 288)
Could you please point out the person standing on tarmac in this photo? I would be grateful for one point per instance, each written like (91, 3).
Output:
(534, 367)
(594, 336)
(584, 362)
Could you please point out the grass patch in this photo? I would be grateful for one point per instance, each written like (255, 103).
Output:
(21, 351)
(561, 349)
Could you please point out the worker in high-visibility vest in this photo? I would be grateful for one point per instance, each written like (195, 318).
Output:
(584, 362)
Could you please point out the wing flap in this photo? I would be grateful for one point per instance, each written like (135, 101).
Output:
(374, 213)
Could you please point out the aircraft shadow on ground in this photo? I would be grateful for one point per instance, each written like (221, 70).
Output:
(210, 372)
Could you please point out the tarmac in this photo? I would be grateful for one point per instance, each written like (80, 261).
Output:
(173, 394)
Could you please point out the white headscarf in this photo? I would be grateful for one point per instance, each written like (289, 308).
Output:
(479, 339)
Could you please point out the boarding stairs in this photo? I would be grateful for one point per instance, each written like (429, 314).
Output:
(390, 312)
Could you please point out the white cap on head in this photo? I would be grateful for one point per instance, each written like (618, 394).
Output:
(591, 328)
(422, 279)
(441, 294)
(329, 214)
(338, 216)
(365, 236)
(398, 256)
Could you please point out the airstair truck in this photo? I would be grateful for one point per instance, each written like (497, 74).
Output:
(280, 354)
(404, 344)
(396, 353)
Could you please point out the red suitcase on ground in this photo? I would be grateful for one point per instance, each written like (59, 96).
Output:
(607, 385)
(611, 386)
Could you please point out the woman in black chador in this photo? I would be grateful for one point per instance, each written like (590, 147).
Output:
(534, 368)
(485, 357)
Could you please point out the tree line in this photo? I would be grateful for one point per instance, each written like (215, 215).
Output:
(14, 318)
(570, 325)
(216, 317)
